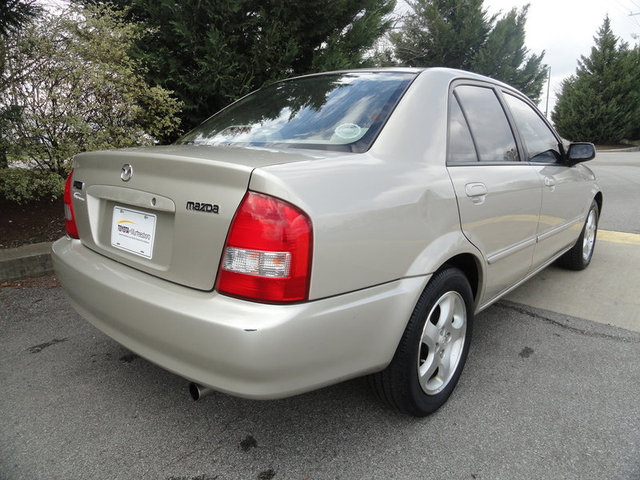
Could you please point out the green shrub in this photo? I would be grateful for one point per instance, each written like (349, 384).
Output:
(23, 185)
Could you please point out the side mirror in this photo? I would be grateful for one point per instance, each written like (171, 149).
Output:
(580, 152)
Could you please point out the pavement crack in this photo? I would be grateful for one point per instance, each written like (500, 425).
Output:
(581, 331)
(42, 346)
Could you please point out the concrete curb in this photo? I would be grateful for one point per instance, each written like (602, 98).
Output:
(616, 150)
(27, 261)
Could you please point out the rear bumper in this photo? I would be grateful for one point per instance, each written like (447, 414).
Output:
(242, 348)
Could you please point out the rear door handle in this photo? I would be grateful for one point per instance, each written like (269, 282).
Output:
(476, 192)
(549, 182)
(475, 189)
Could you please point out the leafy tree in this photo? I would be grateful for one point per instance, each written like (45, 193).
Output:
(211, 52)
(601, 102)
(80, 89)
(25, 185)
(461, 34)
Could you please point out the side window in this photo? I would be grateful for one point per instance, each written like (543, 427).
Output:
(488, 124)
(460, 144)
(541, 143)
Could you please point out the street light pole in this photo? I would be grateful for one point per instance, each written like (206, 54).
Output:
(546, 108)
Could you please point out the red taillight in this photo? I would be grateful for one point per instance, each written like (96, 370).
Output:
(69, 217)
(267, 256)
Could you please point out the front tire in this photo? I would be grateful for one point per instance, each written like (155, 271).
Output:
(433, 349)
(579, 257)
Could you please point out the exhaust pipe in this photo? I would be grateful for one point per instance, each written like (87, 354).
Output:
(198, 391)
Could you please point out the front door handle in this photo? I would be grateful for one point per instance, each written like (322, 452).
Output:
(550, 183)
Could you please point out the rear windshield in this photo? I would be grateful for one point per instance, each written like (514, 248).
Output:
(341, 111)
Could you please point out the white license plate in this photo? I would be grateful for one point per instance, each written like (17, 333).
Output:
(133, 231)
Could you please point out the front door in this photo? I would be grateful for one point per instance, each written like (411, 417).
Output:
(564, 198)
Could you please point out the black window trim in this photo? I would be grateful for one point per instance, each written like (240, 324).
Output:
(516, 135)
(466, 121)
(514, 93)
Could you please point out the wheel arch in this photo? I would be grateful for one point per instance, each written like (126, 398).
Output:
(469, 265)
(453, 250)
(598, 198)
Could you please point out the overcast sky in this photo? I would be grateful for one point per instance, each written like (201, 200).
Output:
(564, 29)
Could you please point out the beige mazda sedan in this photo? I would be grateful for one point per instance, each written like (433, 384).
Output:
(326, 227)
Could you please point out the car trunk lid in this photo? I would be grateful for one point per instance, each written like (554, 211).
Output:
(165, 210)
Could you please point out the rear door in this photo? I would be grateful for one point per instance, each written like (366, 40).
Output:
(498, 195)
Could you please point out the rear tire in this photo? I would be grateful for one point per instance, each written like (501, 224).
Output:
(579, 257)
(433, 349)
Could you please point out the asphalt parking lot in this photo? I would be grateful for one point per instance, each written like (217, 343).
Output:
(542, 396)
(551, 391)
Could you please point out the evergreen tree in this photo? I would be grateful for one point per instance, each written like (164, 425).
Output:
(442, 33)
(210, 52)
(504, 56)
(461, 34)
(633, 64)
(601, 102)
(14, 14)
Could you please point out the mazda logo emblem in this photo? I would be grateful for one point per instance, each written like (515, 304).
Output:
(126, 173)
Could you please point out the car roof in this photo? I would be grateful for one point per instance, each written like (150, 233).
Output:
(439, 71)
